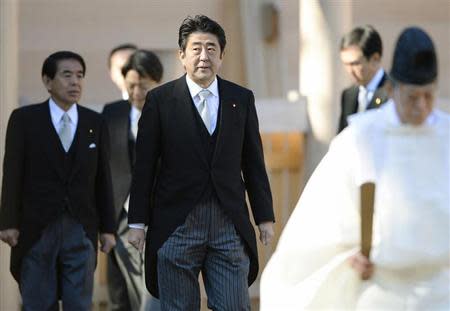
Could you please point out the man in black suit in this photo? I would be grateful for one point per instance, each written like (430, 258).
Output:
(142, 73)
(203, 131)
(361, 51)
(56, 192)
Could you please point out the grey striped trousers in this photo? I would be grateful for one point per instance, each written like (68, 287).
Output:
(206, 242)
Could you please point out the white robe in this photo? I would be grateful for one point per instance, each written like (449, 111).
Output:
(411, 236)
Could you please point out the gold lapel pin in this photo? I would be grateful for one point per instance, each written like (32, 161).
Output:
(378, 101)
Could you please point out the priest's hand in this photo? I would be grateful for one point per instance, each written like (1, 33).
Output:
(10, 236)
(266, 232)
(136, 237)
(107, 242)
(362, 265)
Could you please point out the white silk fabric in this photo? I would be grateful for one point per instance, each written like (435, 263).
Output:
(411, 237)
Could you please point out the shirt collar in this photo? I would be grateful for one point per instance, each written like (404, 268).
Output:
(194, 88)
(134, 113)
(373, 84)
(56, 112)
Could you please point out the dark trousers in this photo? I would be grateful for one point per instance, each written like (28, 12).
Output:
(61, 262)
(126, 286)
(206, 242)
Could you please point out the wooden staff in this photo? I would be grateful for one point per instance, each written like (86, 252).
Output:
(367, 207)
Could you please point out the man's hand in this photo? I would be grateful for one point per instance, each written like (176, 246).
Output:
(107, 242)
(136, 237)
(362, 265)
(10, 236)
(266, 232)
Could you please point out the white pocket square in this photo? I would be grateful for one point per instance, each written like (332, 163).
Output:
(92, 146)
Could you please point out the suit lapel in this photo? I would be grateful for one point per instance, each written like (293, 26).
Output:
(353, 102)
(380, 94)
(126, 136)
(184, 112)
(52, 143)
(226, 115)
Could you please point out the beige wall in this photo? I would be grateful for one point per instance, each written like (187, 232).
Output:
(271, 67)
(9, 296)
(391, 17)
(93, 27)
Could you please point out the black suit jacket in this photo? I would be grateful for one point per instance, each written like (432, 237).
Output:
(36, 189)
(168, 130)
(117, 116)
(349, 101)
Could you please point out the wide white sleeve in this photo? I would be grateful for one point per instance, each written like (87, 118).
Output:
(323, 227)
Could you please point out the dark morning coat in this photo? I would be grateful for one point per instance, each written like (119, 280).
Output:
(349, 101)
(117, 117)
(168, 130)
(36, 189)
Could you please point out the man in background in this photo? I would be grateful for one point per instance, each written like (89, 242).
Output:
(56, 192)
(116, 60)
(361, 51)
(142, 72)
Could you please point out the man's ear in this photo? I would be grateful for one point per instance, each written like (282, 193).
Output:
(375, 57)
(222, 54)
(47, 82)
(181, 54)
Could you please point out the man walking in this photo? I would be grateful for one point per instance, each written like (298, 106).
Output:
(203, 131)
(142, 73)
(56, 191)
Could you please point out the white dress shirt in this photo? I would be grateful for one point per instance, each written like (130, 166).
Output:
(56, 114)
(135, 115)
(212, 101)
(369, 89)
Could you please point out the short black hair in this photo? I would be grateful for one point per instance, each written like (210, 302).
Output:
(364, 37)
(200, 23)
(146, 63)
(50, 65)
(121, 47)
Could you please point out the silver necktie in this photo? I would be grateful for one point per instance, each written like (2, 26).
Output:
(362, 99)
(203, 108)
(134, 125)
(65, 132)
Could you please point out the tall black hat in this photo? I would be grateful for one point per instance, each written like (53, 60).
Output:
(415, 60)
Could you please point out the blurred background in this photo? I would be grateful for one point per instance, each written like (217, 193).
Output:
(286, 51)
